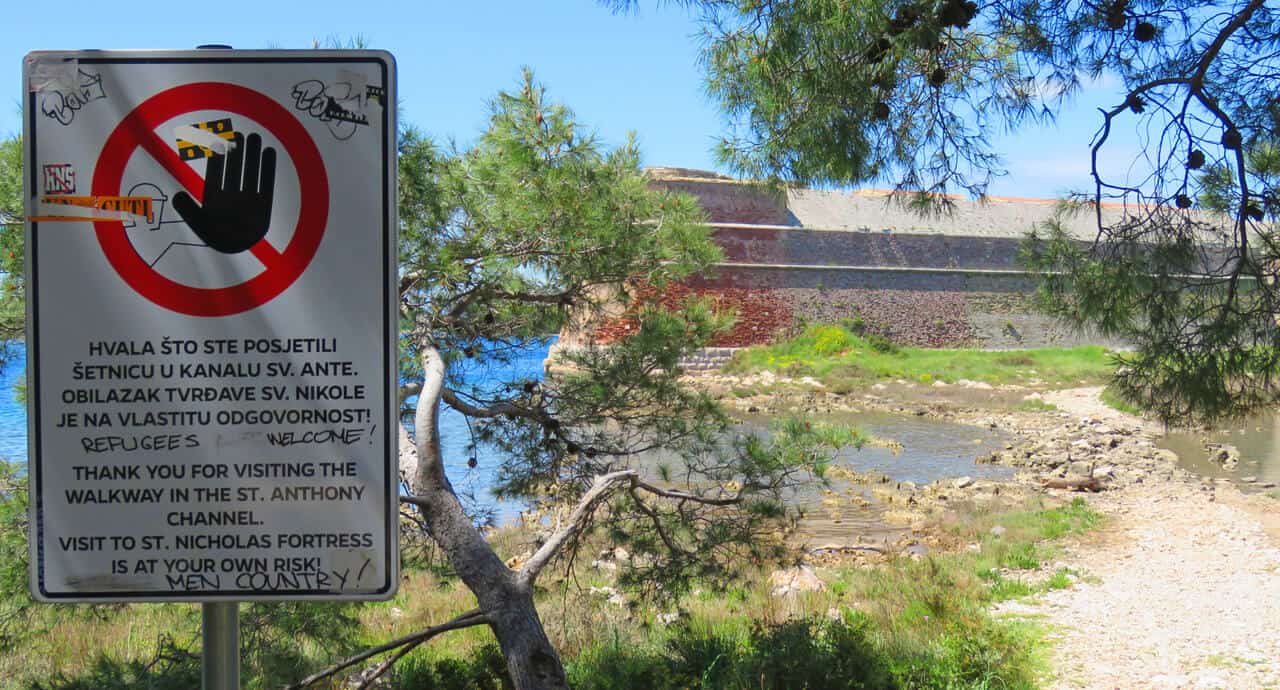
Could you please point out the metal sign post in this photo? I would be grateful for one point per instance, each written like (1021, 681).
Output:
(220, 628)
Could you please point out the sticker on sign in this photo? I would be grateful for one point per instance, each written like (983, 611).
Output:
(211, 333)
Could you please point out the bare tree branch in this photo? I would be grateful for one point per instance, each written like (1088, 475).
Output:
(466, 620)
(410, 389)
(386, 665)
(656, 521)
(601, 488)
(581, 515)
(497, 409)
(426, 421)
(1213, 49)
(686, 496)
(552, 298)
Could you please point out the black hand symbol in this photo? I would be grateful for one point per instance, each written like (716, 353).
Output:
(235, 214)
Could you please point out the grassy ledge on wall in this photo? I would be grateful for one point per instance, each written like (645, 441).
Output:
(839, 356)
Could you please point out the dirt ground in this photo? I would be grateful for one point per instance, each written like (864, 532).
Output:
(1180, 590)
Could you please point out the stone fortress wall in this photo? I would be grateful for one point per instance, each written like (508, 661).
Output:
(824, 256)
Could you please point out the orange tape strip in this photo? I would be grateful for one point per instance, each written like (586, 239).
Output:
(133, 205)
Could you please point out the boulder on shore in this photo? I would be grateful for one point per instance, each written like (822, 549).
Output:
(1224, 454)
(792, 580)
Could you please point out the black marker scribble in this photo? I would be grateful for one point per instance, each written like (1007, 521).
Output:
(340, 104)
(63, 106)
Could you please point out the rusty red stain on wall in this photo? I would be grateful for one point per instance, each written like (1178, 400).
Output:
(761, 315)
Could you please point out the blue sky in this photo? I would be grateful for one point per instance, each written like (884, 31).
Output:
(619, 73)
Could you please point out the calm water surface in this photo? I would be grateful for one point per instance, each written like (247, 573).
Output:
(931, 450)
(1257, 438)
(13, 414)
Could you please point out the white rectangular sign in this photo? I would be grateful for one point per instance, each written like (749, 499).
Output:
(211, 324)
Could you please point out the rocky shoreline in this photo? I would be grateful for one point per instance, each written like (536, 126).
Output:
(1179, 589)
(1072, 444)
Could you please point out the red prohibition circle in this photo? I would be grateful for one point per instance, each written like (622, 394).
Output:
(138, 130)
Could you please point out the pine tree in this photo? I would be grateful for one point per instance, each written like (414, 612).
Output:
(509, 241)
(911, 92)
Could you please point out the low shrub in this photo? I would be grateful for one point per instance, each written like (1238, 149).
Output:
(882, 344)
(809, 653)
(484, 670)
(854, 325)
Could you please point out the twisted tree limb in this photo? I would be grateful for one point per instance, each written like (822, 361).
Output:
(466, 620)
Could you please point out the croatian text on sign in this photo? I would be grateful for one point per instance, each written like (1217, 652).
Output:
(211, 344)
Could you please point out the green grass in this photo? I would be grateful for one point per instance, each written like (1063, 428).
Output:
(1075, 518)
(838, 357)
(1275, 494)
(1035, 405)
(1062, 578)
(1003, 588)
(908, 623)
(1113, 399)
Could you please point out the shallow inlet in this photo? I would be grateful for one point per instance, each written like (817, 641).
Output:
(931, 449)
(1257, 439)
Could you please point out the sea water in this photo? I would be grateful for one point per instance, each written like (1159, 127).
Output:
(13, 413)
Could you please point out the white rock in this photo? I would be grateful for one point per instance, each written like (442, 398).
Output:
(798, 579)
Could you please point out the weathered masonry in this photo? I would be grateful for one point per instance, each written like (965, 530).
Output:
(824, 256)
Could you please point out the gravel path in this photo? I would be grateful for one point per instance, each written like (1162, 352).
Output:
(1087, 402)
(1180, 590)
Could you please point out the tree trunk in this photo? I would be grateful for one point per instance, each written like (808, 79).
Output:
(531, 660)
